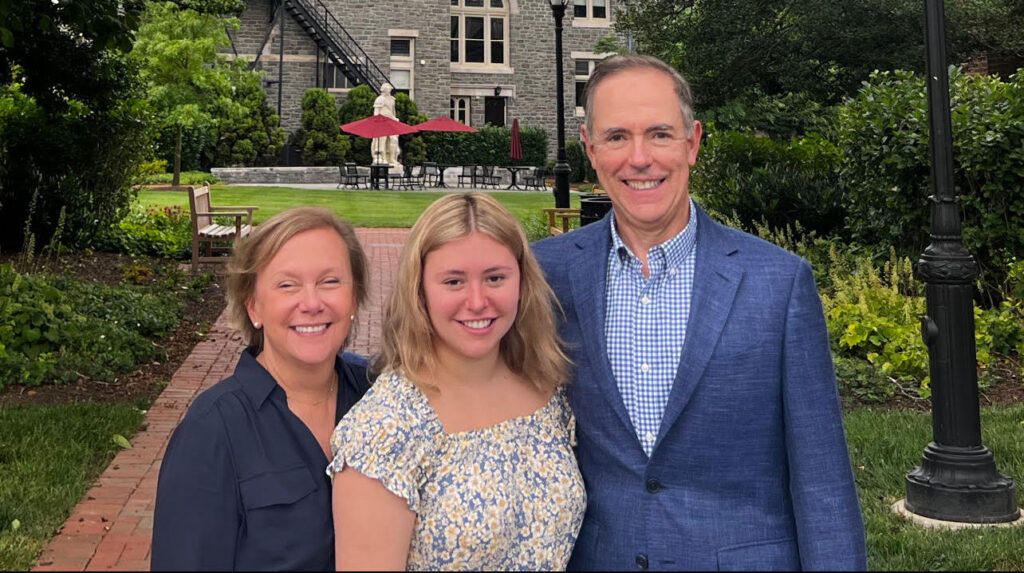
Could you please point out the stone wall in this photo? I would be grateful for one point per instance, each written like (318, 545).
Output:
(232, 175)
(528, 85)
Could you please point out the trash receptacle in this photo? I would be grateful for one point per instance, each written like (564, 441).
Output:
(593, 206)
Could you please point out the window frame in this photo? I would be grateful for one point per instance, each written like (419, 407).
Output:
(489, 14)
(404, 63)
(589, 20)
(453, 108)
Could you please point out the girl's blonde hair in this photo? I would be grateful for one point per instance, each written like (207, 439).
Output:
(531, 348)
(255, 251)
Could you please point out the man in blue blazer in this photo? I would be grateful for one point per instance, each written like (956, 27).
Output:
(708, 421)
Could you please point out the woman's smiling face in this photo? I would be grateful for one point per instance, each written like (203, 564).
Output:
(304, 298)
(471, 290)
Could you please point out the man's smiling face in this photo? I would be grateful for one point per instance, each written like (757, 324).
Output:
(642, 153)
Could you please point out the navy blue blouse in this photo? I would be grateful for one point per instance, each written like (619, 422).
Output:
(242, 485)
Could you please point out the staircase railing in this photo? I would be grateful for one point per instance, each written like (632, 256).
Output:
(320, 23)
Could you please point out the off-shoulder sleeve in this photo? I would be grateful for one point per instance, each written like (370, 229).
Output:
(384, 438)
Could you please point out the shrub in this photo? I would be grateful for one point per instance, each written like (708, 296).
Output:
(53, 329)
(781, 183)
(579, 162)
(186, 178)
(884, 136)
(490, 146)
(247, 131)
(162, 232)
(79, 159)
(873, 315)
(320, 139)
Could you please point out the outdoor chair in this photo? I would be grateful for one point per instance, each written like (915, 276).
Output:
(350, 176)
(486, 176)
(206, 231)
(535, 180)
(431, 174)
(407, 180)
(468, 173)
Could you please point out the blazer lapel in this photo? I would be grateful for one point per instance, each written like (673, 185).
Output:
(589, 278)
(716, 279)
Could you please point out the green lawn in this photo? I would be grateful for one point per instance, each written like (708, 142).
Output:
(49, 457)
(884, 446)
(362, 208)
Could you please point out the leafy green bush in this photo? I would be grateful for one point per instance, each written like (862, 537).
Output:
(781, 183)
(187, 178)
(490, 146)
(75, 156)
(578, 161)
(162, 232)
(875, 314)
(53, 329)
(248, 132)
(884, 136)
(320, 140)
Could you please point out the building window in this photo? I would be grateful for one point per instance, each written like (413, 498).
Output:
(479, 32)
(458, 109)
(403, 54)
(590, 9)
(401, 47)
(581, 74)
(335, 79)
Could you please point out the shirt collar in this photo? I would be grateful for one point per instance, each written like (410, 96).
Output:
(257, 383)
(675, 250)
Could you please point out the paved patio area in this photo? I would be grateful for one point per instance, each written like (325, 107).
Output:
(112, 526)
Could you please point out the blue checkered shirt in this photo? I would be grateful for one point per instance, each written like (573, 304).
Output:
(646, 324)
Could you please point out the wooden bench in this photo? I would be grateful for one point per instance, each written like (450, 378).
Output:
(564, 216)
(206, 231)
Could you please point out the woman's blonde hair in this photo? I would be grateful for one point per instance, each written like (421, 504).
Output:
(255, 251)
(531, 348)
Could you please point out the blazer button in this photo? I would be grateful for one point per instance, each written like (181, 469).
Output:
(653, 485)
(641, 561)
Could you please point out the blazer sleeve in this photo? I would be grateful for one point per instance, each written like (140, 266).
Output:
(196, 520)
(830, 528)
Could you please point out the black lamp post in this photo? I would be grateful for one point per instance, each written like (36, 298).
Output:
(957, 479)
(561, 167)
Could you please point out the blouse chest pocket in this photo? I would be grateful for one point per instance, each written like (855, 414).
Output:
(273, 488)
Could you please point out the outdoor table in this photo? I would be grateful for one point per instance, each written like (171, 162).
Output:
(378, 173)
(514, 170)
(440, 177)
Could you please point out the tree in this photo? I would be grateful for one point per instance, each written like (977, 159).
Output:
(814, 52)
(248, 131)
(320, 139)
(73, 126)
(187, 77)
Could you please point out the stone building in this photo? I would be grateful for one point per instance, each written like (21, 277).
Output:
(477, 61)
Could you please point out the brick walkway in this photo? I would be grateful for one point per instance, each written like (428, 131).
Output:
(112, 526)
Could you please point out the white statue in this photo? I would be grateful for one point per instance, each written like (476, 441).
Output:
(385, 149)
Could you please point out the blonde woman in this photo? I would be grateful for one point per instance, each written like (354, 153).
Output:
(460, 455)
(242, 486)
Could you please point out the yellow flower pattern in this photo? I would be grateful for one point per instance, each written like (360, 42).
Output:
(506, 497)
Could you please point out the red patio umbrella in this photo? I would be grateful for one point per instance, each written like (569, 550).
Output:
(378, 126)
(516, 153)
(444, 123)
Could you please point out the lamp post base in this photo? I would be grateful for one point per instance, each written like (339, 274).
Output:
(962, 485)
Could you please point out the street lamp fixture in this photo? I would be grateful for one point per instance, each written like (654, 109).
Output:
(561, 166)
(957, 480)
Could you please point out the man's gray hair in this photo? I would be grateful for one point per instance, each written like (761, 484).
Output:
(621, 63)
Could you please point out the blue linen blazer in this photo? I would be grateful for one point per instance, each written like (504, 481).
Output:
(750, 469)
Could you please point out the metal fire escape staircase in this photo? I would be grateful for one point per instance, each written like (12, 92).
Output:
(330, 36)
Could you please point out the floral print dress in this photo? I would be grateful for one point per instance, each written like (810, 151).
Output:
(505, 497)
